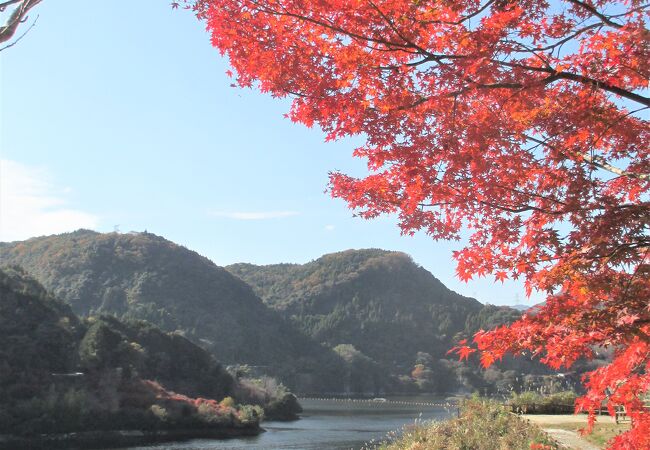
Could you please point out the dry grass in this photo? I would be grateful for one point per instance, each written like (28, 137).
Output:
(483, 424)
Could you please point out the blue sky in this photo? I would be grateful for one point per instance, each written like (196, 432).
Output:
(116, 116)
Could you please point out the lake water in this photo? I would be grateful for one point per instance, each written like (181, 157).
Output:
(328, 425)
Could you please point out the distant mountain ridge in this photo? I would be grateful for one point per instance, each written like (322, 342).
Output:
(520, 307)
(285, 286)
(527, 308)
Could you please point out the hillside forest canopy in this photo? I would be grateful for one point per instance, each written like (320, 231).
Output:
(523, 123)
(62, 374)
(358, 322)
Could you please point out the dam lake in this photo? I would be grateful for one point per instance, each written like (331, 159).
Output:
(331, 424)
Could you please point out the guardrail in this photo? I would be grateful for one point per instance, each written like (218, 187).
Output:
(380, 402)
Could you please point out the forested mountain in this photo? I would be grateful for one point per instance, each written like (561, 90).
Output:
(384, 314)
(41, 336)
(143, 276)
(358, 321)
(381, 302)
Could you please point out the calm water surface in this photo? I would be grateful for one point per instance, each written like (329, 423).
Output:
(327, 425)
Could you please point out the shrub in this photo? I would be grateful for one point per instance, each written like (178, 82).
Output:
(533, 403)
(159, 412)
(283, 408)
(250, 414)
(227, 402)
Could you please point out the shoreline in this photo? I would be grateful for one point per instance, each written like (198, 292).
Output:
(119, 438)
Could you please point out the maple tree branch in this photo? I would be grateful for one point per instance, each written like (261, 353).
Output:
(515, 209)
(532, 194)
(520, 209)
(477, 12)
(462, 19)
(561, 42)
(330, 26)
(596, 13)
(624, 247)
(393, 27)
(500, 85)
(636, 270)
(553, 76)
(596, 161)
(408, 45)
(637, 9)
(556, 75)
(605, 86)
(600, 162)
(574, 257)
(616, 123)
(519, 191)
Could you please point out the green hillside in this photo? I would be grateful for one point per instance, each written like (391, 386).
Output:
(385, 315)
(366, 321)
(61, 374)
(383, 303)
(145, 277)
(39, 335)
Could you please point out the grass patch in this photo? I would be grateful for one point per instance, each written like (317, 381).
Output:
(483, 424)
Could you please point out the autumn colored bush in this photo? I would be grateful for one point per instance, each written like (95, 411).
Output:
(227, 402)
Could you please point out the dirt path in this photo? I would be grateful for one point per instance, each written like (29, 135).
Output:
(569, 439)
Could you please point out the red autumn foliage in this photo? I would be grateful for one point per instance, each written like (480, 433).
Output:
(536, 446)
(523, 122)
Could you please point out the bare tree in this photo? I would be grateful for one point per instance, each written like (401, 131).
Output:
(18, 16)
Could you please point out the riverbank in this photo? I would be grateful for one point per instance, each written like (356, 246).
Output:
(119, 438)
(324, 425)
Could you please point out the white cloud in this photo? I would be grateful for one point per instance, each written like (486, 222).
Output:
(31, 205)
(329, 227)
(253, 215)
